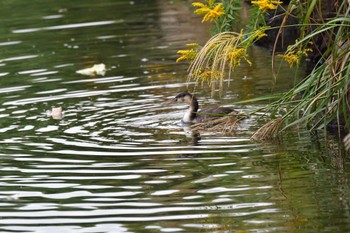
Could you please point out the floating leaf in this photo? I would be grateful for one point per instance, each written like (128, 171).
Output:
(98, 69)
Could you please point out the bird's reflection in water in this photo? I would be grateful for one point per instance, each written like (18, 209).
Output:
(193, 135)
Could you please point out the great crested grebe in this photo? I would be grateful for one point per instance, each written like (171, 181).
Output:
(193, 116)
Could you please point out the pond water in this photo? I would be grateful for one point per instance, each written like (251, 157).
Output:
(120, 160)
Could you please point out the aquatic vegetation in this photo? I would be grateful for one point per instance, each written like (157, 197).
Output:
(323, 97)
(270, 130)
(226, 124)
(320, 99)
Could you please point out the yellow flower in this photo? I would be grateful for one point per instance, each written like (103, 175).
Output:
(265, 5)
(236, 55)
(188, 54)
(291, 58)
(208, 76)
(259, 33)
(294, 56)
(210, 11)
(192, 45)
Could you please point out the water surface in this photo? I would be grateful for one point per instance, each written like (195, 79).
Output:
(120, 160)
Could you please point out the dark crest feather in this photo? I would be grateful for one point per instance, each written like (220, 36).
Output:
(183, 94)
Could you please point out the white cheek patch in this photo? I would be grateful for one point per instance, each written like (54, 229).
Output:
(187, 100)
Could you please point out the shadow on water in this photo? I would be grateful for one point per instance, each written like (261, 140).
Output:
(120, 160)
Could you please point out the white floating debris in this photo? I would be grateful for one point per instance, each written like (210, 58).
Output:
(98, 69)
(56, 113)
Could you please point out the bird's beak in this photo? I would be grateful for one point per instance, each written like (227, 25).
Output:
(172, 101)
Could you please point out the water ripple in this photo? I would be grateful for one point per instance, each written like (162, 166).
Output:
(69, 26)
(13, 89)
(10, 43)
(119, 159)
(19, 58)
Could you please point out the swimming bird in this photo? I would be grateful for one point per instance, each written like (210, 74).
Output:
(192, 115)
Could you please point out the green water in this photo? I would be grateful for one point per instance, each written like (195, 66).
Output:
(120, 160)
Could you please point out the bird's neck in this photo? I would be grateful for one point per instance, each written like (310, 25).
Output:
(191, 113)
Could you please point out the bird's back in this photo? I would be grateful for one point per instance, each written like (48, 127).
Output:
(212, 113)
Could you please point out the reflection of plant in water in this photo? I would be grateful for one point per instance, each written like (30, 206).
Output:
(323, 97)
(222, 223)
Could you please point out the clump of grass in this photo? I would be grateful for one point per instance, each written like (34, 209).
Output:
(323, 97)
(269, 131)
(226, 124)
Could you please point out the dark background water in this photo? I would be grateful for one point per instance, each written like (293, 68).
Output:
(120, 160)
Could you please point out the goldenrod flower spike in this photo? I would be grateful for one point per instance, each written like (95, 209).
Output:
(265, 5)
(259, 33)
(210, 11)
(188, 54)
(208, 76)
(236, 55)
(192, 45)
(291, 58)
(202, 9)
(294, 56)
